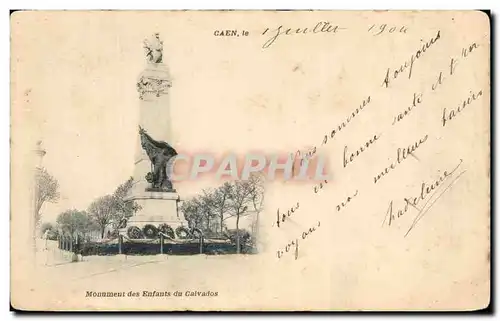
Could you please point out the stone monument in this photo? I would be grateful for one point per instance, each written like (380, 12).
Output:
(153, 190)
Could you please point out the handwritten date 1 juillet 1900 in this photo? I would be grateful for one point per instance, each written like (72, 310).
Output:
(323, 27)
(427, 192)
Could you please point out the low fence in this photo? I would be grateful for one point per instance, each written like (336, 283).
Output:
(162, 245)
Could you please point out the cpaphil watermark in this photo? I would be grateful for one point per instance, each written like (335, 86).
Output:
(274, 166)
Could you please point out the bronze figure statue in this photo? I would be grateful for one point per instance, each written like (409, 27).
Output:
(159, 154)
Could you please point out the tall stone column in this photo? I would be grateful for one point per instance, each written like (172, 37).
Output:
(152, 190)
(154, 116)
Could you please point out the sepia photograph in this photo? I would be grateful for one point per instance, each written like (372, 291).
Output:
(250, 160)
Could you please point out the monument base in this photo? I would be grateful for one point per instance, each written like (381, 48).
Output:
(158, 213)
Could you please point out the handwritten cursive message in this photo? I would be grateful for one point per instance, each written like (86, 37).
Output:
(431, 190)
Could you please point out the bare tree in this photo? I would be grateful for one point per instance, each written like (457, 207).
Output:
(220, 202)
(232, 199)
(46, 191)
(124, 207)
(207, 205)
(103, 211)
(257, 180)
(241, 198)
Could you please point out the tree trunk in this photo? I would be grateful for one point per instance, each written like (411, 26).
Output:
(256, 232)
(102, 231)
(237, 234)
(221, 222)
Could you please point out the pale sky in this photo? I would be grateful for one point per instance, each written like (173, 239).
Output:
(75, 89)
(78, 90)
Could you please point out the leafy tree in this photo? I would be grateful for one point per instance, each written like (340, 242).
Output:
(74, 221)
(193, 212)
(50, 229)
(103, 211)
(46, 191)
(46, 226)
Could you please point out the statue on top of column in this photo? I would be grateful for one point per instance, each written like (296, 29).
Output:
(154, 81)
(154, 49)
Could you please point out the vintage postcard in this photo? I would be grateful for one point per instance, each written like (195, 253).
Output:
(250, 160)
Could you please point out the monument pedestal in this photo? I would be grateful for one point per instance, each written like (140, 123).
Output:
(158, 208)
(158, 212)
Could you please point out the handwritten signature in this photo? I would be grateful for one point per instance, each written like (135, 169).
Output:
(427, 193)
